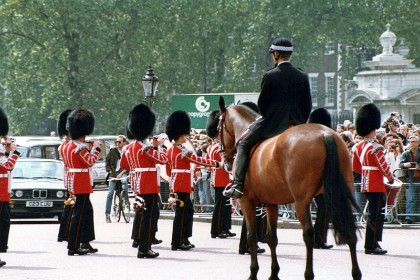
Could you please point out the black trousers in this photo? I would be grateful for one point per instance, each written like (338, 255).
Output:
(4, 225)
(261, 232)
(322, 220)
(146, 222)
(222, 213)
(63, 231)
(82, 228)
(252, 137)
(375, 222)
(183, 220)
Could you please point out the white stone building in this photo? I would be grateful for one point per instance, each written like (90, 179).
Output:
(391, 82)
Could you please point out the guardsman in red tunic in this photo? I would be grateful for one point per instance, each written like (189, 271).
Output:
(178, 127)
(141, 158)
(79, 160)
(369, 160)
(63, 231)
(7, 163)
(221, 222)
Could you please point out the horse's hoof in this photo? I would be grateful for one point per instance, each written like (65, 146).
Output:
(274, 278)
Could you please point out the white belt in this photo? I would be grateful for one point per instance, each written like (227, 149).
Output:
(4, 175)
(144, 169)
(370, 168)
(181, 171)
(75, 170)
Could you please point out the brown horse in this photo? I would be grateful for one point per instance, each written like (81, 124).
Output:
(293, 167)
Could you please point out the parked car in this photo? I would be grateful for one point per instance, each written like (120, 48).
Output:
(47, 147)
(39, 148)
(37, 189)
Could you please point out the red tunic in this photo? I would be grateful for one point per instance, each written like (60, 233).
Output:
(6, 166)
(79, 161)
(369, 160)
(179, 167)
(61, 149)
(140, 159)
(219, 176)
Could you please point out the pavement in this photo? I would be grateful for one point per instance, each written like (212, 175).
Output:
(34, 253)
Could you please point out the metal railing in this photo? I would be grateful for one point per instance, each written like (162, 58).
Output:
(395, 210)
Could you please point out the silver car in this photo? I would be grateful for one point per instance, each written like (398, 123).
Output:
(37, 189)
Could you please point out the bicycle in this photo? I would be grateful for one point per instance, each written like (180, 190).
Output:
(121, 202)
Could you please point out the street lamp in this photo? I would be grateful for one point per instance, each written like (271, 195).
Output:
(150, 84)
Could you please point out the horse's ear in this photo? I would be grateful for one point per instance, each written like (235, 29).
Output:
(222, 106)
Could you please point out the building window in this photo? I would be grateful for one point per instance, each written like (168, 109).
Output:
(313, 82)
(329, 48)
(329, 89)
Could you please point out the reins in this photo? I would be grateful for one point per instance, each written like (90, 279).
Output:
(221, 128)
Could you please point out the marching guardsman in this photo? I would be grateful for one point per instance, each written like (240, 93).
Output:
(141, 158)
(369, 160)
(7, 164)
(80, 159)
(178, 127)
(221, 222)
(63, 231)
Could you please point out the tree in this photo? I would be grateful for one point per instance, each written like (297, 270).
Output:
(57, 54)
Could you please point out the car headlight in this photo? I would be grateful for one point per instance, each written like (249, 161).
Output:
(19, 193)
(60, 194)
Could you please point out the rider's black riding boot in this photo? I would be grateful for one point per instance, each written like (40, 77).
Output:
(241, 166)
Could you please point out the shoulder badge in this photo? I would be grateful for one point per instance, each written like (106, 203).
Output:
(146, 147)
(377, 147)
(81, 146)
(185, 151)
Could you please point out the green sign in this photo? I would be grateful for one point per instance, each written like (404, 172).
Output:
(199, 106)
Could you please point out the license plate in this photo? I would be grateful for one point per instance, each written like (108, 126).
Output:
(39, 204)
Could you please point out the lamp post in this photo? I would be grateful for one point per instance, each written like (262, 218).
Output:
(150, 84)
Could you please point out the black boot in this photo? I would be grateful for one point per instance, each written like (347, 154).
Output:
(88, 247)
(235, 188)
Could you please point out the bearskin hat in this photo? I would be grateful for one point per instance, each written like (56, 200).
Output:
(141, 121)
(128, 133)
(251, 105)
(4, 124)
(321, 116)
(212, 123)
(367, 119)
(80, 122)
(177, 124)
(61, 123)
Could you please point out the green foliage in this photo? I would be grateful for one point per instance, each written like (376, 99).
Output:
(58, 54)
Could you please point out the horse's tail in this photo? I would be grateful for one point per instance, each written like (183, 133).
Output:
(338, 197)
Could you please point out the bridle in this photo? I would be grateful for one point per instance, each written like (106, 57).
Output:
(230, 155)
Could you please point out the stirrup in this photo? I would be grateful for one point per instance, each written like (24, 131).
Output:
(230, 191)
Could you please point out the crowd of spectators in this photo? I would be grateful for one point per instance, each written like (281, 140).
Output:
(395, 135)
(203, 192)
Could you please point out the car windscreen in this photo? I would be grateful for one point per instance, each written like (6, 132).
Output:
(38, 170)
